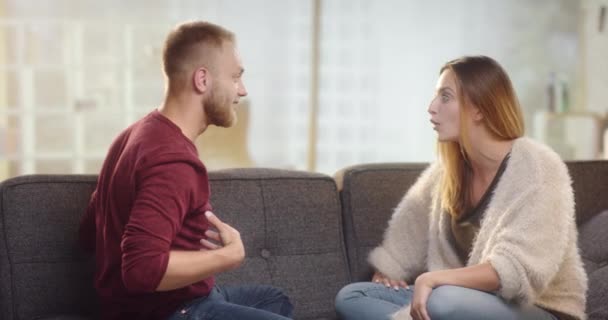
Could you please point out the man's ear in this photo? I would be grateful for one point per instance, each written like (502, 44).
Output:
(201, 80)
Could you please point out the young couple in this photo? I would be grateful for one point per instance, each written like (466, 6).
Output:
(487, 232)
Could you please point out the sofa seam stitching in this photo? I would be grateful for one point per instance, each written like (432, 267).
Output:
(267, 260)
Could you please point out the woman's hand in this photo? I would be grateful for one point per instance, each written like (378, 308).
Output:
(395, 284)
(422, 290)
(480, 277)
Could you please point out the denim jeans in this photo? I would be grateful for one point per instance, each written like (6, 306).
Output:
(368, 300)
(238, 303)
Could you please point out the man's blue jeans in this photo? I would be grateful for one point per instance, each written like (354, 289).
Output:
(368, 300)
(238, 303)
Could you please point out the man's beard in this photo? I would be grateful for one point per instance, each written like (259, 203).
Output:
(218, 110)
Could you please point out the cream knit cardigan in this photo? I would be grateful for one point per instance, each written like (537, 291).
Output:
(528, 234)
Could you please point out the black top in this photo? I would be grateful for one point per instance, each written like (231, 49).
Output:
(465, 227)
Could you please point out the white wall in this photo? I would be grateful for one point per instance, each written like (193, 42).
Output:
(595, 56)
(393, 52)
(379, 64)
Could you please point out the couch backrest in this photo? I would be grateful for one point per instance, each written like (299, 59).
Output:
(369, 194)
(291, 225)
(290, 222)
(590, 183)
(43, 271)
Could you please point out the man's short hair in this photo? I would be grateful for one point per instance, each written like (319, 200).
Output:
(191, 44)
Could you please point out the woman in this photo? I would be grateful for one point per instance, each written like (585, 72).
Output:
(487, 232)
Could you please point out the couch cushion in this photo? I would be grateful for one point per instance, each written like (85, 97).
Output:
(369, 194)
(290, 223)
(590, 183)
(594, 250)
(42, 269)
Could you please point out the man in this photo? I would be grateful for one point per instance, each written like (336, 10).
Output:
(148, 219)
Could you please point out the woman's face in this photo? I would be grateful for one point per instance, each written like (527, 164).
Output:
(445, 108)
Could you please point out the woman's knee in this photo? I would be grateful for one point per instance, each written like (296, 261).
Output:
(347, 294)
(353, 291)
(453, 302)
(445, 302)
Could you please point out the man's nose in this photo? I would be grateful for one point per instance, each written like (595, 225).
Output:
(242, 90)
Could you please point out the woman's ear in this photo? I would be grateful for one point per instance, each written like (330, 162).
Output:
(201, 80)
(476, 113)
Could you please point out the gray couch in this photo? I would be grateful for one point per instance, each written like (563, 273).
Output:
(307, 233)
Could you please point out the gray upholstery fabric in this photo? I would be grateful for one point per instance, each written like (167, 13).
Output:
(44, 271)
(590, 183)
(6, 297)
(593, 239)
(290, 223)
(291, 227)
(370, 192)
(369, 195)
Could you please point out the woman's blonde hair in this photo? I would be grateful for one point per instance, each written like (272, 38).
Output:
(481, 82)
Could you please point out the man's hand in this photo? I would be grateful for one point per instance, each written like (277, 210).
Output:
(389, 283)
(227, 238)
(186, 267)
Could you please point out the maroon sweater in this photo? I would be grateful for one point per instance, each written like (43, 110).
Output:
(150, 198)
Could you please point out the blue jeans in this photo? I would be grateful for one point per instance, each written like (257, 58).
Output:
(368, 300)
(238, 303)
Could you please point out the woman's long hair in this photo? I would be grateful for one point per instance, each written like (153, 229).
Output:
(481, 82)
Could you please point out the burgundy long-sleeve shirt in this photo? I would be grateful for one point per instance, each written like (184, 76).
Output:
(150, 198)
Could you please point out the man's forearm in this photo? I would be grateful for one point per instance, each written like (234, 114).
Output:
(188, 267)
